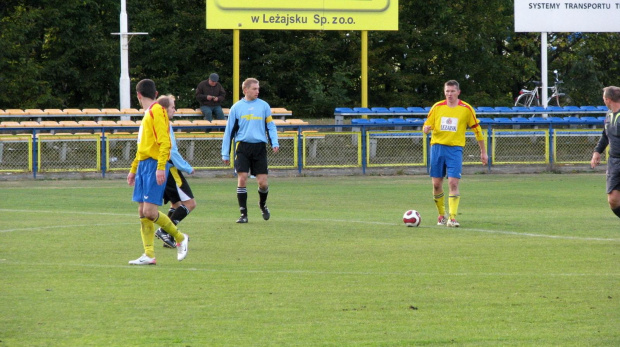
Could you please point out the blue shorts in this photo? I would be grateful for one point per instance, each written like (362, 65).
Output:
(446, 160)
(146, 188)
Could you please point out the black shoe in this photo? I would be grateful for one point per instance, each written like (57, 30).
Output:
(242, 219)
(266, 213)
(166, 238)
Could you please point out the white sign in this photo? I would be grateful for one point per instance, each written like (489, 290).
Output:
(567, 16)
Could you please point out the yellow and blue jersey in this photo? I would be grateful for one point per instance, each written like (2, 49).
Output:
(153, 137)
(449, 124)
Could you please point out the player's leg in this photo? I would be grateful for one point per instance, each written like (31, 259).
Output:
(614, 201)
(454, 166)
(613, 184)
(242, 166)
(260, 170)
(437, 173)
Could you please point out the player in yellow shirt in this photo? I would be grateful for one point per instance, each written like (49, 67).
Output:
(448, 120)
(148, 174)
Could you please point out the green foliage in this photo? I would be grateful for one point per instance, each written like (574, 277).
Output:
(60, 53)
(535, 263)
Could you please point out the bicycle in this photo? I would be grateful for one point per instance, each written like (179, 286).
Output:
(529, 98)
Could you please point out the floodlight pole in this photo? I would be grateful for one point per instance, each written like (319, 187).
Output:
(124, 81)
(543, 69)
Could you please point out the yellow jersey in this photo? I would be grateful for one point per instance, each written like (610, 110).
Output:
(153, 137)
(450, 123)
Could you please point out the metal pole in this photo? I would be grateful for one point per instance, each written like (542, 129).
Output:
(125, 96)
(364, 70)
(543, 69)
(236, 44)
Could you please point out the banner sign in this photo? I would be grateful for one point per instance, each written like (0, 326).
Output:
(303, 14)
(567, 16)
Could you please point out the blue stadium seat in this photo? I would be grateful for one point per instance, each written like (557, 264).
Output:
(381, 110)
(485, 109)
(520, 120)
(362, 110)
(397, 121)
(573, 120)
(485, 121)
(502, 120)
(399, 110)
(415, 121)
(520, 109)
(554, 109)
(588, 108)
(571, 108)
(602, 108)
(360, 121)
(503, 109)
(379, 121)
(601, 118)
(344, 110)
(591, 120)
(538, 119)
(428, 108)
(418, 110)
(537, 109)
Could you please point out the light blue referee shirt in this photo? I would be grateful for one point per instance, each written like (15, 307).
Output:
(249, 121)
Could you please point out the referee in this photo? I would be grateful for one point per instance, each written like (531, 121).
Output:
(251, 126)
(611, 137)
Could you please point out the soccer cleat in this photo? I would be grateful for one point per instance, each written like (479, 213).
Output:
(453, 223)
(166, 238)
(265, 212)
(242, 219)
(441, 220)
(143, 260)
(182, 248)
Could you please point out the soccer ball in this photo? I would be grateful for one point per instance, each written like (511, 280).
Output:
(412, 218)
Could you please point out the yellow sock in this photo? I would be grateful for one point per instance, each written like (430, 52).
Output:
(147, 230)
(439, 202)
(165, 223)
(453, 204)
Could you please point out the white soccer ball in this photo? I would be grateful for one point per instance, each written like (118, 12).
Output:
(412, 218)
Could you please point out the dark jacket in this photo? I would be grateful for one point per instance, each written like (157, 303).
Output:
(204, 89)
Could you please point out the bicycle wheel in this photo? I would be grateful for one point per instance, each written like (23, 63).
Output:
(524, 100)
(554, 100)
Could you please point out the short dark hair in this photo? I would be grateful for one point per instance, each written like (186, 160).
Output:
(612, 93)
(147, 88)
(453, 83)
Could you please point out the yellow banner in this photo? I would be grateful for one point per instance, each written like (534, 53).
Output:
(303, 14)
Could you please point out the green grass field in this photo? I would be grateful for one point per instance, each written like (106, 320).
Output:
(535, 263)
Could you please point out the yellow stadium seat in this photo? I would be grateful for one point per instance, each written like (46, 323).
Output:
(201, 122)
(54, 111)
(35, 111)
(218, 122)
(73, 112)
(10, 124)
(112, 111)
(49, 123)
(31, 124)
(69, 123)
(15, 112)
(91, 111)
(107, 123)
(126, 123)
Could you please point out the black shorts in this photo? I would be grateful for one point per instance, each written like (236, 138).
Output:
(177, 188)
(613, 174)
(251, 157)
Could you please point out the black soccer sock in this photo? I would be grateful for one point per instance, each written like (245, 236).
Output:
(179, 214)
(263, 196)
(171, 212)
(616, 211)
(242, 197)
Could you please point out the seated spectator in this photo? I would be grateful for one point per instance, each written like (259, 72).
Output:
(210, 94)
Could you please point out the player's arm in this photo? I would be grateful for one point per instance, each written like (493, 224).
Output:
(230, 124)
(429, 123)
(599, 149)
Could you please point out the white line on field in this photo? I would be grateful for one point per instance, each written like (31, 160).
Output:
(557, 237)
(475, 230)
(64, 226)
(314, 272)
